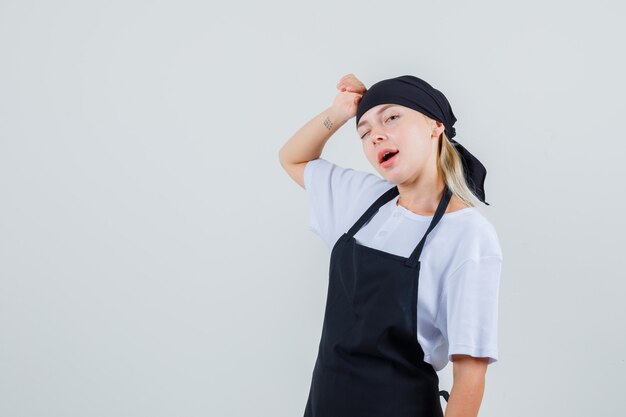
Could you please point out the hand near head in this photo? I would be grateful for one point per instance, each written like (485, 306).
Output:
(351, 83)
(347, 101)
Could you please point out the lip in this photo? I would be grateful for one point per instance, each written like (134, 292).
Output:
(389, 162)
(384, 151)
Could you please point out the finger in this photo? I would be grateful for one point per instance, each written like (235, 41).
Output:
(347, 86)
(356, 84)
(346, 77)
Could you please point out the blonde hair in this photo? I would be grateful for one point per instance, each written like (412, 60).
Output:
(451, 169)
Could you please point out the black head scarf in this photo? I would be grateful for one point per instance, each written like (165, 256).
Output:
(415, 93)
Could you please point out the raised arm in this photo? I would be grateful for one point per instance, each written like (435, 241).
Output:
(309, 141)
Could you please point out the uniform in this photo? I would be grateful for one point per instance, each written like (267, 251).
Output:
(405, 293)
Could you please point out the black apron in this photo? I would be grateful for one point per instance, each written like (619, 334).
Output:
(369, 362)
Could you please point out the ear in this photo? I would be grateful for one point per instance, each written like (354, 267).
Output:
(437, 129)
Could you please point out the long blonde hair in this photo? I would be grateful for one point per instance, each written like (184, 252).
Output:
(451, 169)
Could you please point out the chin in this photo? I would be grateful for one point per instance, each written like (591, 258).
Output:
(384, 173)
(386, 176)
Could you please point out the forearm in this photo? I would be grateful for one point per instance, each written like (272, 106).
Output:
(309, 141)
(466, 395)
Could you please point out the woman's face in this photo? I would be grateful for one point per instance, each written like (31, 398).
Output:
(395, 128)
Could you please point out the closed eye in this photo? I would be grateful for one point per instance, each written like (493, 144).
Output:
(393, 116)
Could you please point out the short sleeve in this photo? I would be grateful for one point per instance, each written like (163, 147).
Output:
(468, 311)
(337, 196)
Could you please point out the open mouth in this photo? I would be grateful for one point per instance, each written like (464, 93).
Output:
(387, 156)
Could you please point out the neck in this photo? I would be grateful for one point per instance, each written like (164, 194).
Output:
(422, 195)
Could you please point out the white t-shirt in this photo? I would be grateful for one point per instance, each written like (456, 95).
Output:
(457, 305)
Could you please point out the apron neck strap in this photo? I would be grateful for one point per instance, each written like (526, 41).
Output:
(441, 208)
(413, 260)
(369, 213)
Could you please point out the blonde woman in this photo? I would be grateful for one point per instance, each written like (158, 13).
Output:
(414, 266)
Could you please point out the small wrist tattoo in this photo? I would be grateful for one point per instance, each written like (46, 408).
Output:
(328, 123)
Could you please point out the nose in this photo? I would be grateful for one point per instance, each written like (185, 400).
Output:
(377, 135)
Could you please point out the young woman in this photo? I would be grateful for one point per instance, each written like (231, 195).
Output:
(414, 266)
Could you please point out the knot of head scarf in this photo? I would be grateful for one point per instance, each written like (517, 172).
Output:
(415, 93)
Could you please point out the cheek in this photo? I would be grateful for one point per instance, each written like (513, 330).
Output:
(367, 151)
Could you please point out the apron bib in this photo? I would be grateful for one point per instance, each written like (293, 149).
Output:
(369, 362)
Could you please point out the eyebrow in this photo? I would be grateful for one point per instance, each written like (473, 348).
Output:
(383, 108)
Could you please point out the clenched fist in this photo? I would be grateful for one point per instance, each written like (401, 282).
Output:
(347, 101)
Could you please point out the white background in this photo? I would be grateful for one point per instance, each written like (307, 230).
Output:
(155, 258)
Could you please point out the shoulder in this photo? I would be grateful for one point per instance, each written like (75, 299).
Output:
(466, 234)
(480, 238)
(328, 177)
(473, 255)
(338, 196)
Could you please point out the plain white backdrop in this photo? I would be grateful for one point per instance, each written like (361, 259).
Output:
(155, 258)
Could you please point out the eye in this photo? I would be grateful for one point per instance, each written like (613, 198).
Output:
(393, 116)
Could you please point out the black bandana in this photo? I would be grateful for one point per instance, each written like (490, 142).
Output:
(415, 93)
